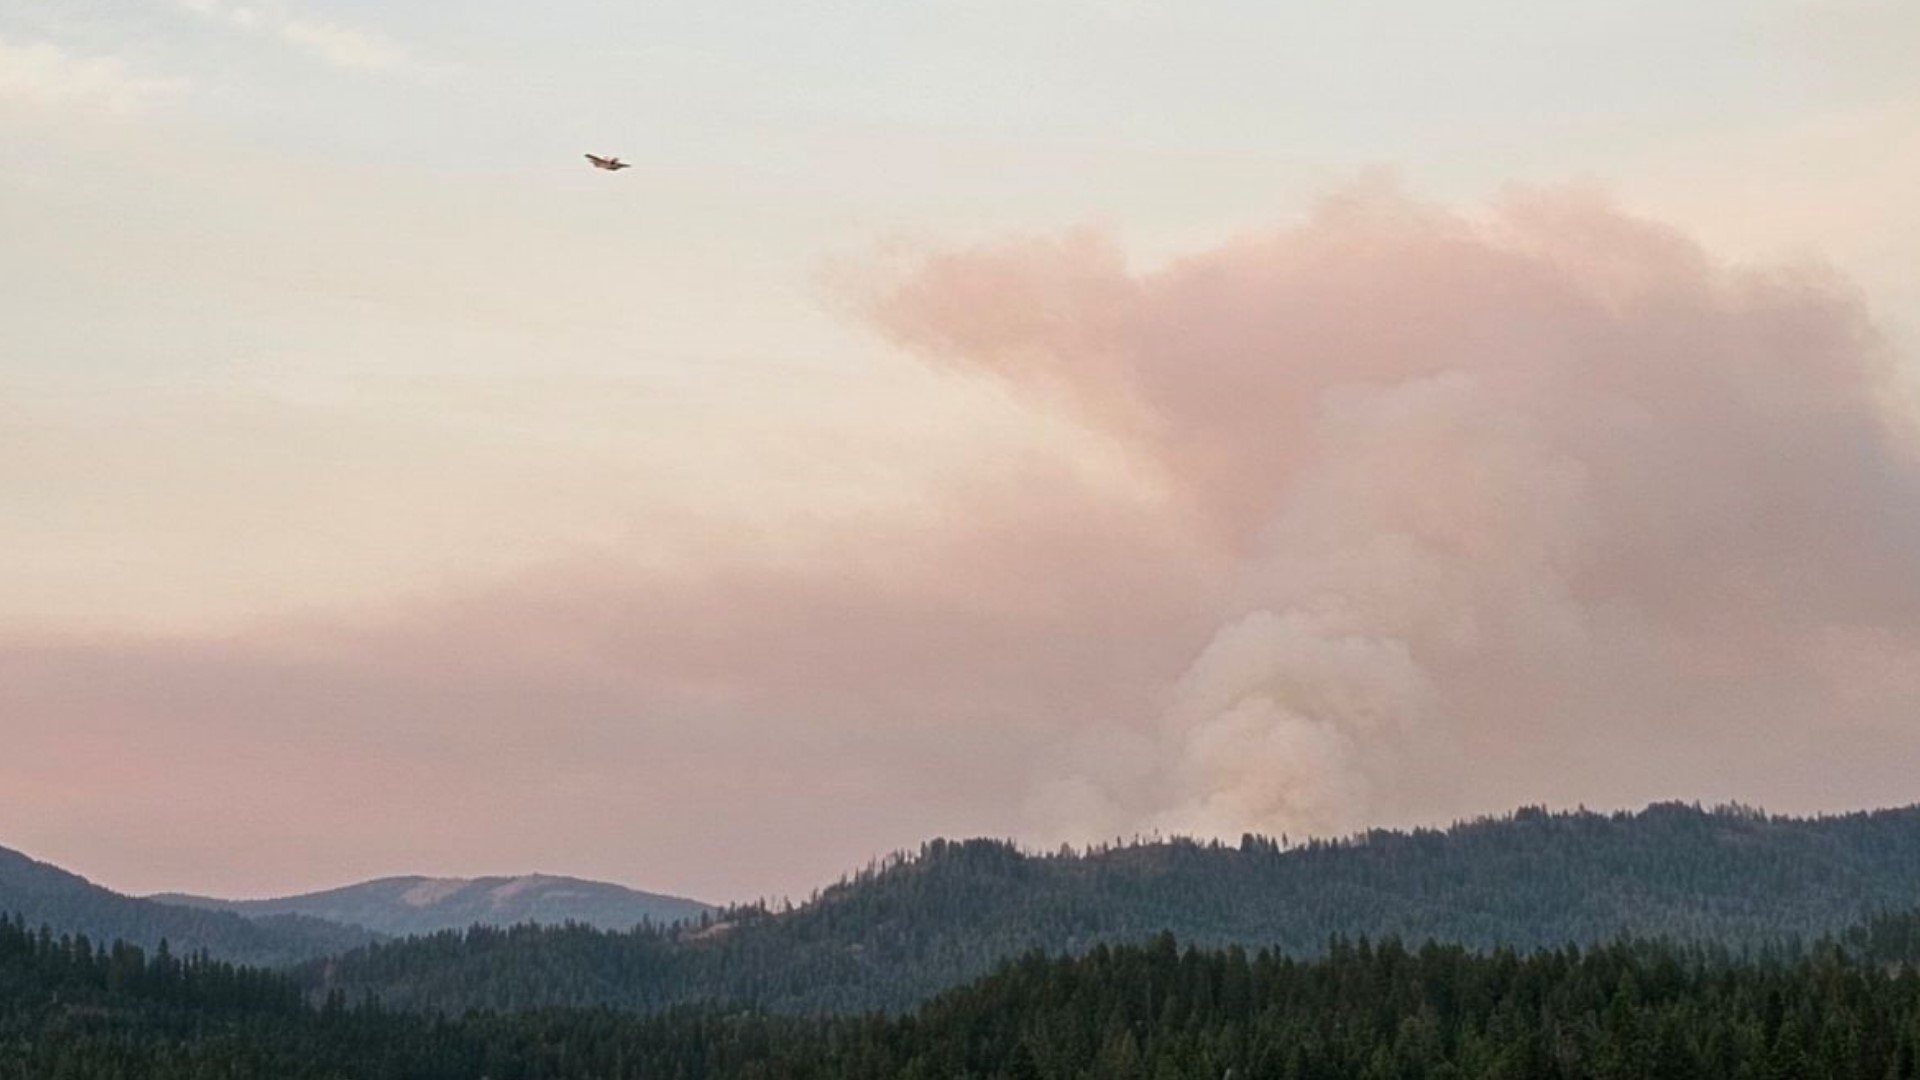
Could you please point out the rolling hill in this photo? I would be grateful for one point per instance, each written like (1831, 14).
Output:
(903, 930)
(399, 906)
(44, 894)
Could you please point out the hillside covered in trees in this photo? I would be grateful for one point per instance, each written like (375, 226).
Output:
(1361, 1011)
(44, 894)
(902, 931)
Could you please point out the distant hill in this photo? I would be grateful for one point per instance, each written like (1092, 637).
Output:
(906, 929)
(399, 906)
(45, 895)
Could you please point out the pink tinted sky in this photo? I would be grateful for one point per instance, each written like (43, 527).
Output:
(828, 483)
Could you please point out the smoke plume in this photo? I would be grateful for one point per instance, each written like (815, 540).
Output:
(1391, 516)
(1541, 504)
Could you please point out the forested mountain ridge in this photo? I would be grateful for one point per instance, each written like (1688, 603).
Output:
(422, 905)
(914, 925)
(1837, 1010)
(44, 894)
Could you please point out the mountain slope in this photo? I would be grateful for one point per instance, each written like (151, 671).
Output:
(421, 905)
(902, 931)
(1364, 1010)
(43, 894)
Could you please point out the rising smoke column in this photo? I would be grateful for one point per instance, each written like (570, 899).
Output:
(1541, 504)
(1391, 516)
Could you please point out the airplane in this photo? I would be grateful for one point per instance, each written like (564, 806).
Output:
(611, 164)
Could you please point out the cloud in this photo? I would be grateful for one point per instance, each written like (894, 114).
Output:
(1544, 504)
(42, 74)
(1414, 514)
(336, 44)
(896, 681)
(343, 47)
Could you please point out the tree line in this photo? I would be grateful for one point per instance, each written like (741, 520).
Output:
(1842, 1008)
(908, 927)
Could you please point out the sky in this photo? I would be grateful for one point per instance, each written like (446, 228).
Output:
(1057, 420)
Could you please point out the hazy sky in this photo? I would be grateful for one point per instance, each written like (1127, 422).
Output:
(1051, 419)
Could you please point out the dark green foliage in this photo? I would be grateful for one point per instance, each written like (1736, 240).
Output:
(906, 929)
(43, 893)
(1360, 1011)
